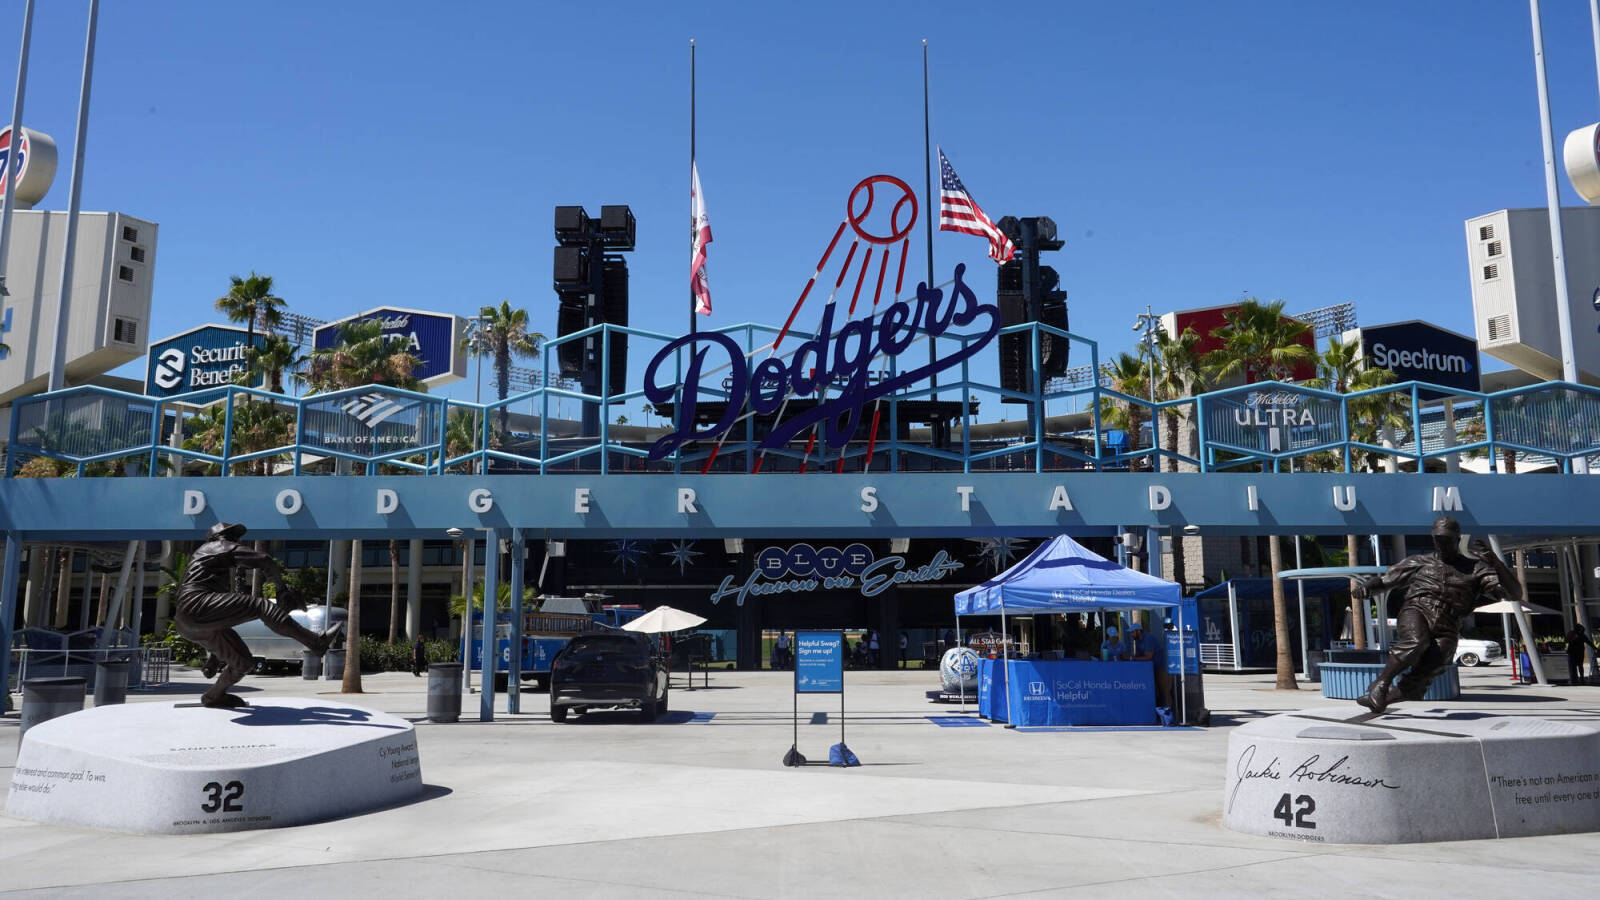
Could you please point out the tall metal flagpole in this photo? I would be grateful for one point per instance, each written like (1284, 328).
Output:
(693, 225)
(1594, 26)
(927, 192)
(58, 362)
(12, 165)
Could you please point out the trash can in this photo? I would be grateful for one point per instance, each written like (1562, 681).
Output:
(44, 699)
(1314, 660)
(444, 692)
(333, 665)
(310, 666)
(110, 682)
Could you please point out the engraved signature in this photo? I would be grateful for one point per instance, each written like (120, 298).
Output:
(1310, 769)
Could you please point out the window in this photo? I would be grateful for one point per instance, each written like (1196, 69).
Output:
(137, 254)
(1491, 272)
(1495, 248)
(125, 331)
(125, 273)
(130, 234)
(1500, 328)
(1486, 232)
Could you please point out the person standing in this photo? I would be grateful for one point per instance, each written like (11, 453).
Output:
(419, 657)
(1152, 648)
(873, 650)
(1577, 645)
(1112, 649)
(903, 644)
(780, 651)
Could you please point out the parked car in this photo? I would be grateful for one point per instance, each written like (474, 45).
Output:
(1473, 652)
(618, 669)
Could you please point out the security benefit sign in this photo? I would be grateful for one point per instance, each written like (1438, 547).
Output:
(1277, 419)
(433, 338)
(819, 662)
(1418, 351)
(206, 357)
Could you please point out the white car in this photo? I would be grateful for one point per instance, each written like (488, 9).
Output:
(1473, 652)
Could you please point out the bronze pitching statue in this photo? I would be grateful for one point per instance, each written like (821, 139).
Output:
(208, 608)
(1441, 588)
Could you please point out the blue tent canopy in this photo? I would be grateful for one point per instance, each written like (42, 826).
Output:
(1062, 576)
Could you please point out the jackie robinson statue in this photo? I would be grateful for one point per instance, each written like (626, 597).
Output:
(1441, 588)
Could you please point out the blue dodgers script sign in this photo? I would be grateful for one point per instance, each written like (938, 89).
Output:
(819, 662)
(841, 362)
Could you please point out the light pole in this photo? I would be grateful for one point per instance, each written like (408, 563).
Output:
(1150, 324)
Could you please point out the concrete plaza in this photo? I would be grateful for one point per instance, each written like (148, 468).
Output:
(698, 804)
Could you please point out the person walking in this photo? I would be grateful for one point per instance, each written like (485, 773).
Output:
(1577, 645)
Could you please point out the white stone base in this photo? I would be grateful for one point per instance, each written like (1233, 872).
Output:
(162, 768)
(1411, 775)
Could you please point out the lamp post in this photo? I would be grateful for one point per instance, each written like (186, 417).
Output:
(1150, 324)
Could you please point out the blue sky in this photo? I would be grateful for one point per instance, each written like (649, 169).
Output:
(403, 153)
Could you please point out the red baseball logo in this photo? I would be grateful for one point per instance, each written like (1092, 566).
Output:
(865, 194)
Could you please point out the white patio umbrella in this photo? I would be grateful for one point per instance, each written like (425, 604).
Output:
(664, 619)
(1506, 607)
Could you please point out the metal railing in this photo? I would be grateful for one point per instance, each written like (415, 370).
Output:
(151, 666)
(1267, 426)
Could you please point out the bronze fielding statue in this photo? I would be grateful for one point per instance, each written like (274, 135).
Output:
(208, 608)
(1441, 588)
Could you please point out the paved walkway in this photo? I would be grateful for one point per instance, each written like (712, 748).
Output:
(699, 805)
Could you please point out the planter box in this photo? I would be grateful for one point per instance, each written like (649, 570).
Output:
(1347, 681)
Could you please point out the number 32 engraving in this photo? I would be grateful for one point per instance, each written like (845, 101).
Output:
(223, 797)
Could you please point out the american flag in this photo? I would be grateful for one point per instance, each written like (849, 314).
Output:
(959, 212)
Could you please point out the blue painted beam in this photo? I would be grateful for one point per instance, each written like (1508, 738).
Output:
(848, 505)
(491, 617)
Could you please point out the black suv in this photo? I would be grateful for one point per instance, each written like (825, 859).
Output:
(617, 669)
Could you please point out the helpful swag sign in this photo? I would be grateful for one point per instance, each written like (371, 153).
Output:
(837, 365)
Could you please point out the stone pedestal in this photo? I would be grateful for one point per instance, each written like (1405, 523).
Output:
(166, 768)
(1410, 775)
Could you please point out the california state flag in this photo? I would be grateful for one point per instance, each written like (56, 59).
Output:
(700, 225)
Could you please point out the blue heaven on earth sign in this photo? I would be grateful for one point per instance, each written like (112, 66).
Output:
(819, 662)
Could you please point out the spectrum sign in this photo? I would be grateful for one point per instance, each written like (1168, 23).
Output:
(206, 357)
(1418, 351)
(433, 338)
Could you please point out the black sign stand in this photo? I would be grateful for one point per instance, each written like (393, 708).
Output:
(794, 757)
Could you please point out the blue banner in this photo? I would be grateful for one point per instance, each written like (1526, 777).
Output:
(1069, 692)
(210, 356)
(819, 662)
(1191, 653)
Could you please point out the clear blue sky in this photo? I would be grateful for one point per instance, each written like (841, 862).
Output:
(367, 153)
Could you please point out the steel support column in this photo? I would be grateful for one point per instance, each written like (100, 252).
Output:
(8, 612)
(491, 606)
(514, 665)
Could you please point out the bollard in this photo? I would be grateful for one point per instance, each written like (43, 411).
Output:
(44, 699)
(444, 692)
(310, 666)
(333, 665)
(110, 682)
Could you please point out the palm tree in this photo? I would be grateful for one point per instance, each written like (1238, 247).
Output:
(1342, 368)
(502, 333)
(1129, 375)
(362, 357)
(250, 300)
(1259, 343)
(1182, 374)
(276, 357)
(394, 587)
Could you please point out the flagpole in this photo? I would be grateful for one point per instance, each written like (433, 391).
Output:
(927, 193)
(693, 226)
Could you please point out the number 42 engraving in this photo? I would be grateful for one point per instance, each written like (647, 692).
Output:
(1299, 816)
(223, 797)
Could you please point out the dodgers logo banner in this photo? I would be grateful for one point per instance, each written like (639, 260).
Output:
(819, 662)
(837, 364)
